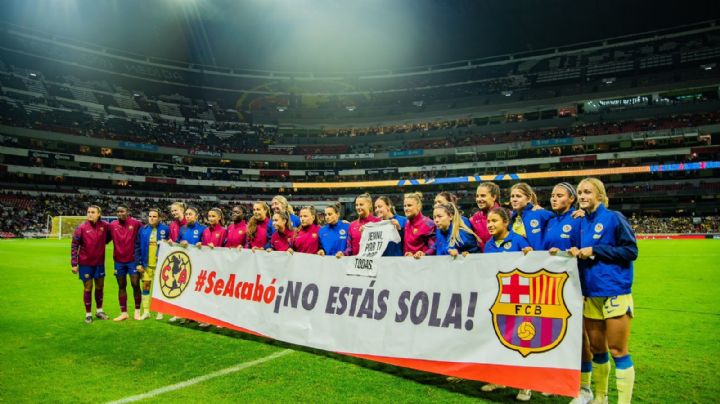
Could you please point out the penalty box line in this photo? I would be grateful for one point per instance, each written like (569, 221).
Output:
(200, 379)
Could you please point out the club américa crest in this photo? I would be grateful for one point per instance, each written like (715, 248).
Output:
(529, 313)
(175, 274)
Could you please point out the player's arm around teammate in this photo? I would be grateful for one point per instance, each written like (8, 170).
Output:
(605, 258)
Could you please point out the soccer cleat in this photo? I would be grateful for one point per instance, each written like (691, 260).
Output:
(524, 395)
(491, 387)
(585, 397)
(121, 317)
(204, 325)
(101, 315)
(88, 319)
(145, 316)
(175, 319)
(137, 316)
(159, 316)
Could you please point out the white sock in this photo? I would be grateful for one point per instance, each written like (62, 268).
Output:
(88, 314)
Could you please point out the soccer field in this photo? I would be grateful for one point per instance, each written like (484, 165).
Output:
(50, 355)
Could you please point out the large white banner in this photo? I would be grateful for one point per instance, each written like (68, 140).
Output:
(502, 318)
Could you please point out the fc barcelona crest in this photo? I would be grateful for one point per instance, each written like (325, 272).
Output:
(529, 313)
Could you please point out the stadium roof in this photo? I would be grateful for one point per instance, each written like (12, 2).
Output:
(342, 35)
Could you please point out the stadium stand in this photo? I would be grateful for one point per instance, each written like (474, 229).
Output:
(148, 133)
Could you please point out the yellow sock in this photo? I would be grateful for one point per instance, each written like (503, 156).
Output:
(600, 375)
(585, 374)
(146, 302)
(624, 378)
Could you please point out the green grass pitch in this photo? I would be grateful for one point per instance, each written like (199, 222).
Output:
(48, 354)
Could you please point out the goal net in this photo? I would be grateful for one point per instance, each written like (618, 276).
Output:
(64, 226)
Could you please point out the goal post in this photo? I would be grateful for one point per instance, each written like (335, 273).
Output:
(64, 226)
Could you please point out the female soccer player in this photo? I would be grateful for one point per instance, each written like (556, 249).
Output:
(420, 230)
(605, 259)
(215, 234)
(258, 236)
(562, 234)
(124, 233)
(177, 211)
(191, 233)
(445, 197)
(453, 236)
(363, 207)
(333, 235)
(504, 240)
(282, 237)
(280, 204)
(487, 197)
(385, 210)
(525, 220)
(237, 231)
(307, 239)
(87, 259)
(146, 252)
(562, 231)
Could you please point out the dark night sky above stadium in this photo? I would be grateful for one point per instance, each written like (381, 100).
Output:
(342, 35)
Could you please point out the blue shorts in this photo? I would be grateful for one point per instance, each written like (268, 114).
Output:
(87, 272)
(124, 268)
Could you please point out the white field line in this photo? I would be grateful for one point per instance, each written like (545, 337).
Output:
(200, 379)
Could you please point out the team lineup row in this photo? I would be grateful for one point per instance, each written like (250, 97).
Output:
(601, 239)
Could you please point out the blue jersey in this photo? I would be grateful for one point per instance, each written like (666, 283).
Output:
(394, 249)
(333, 237)
(512, 243)
(562, 232)
(294, 219)
(614, 247)
(191, 233)
(535, 222)
(142, 242)
(467, 242)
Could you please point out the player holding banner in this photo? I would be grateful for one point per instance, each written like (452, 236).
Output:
(364, 208)
(333, 235)
(307, 239)
(146, 253)
(124, 233)
(453, 236)
(87, 258)
(385, 210)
